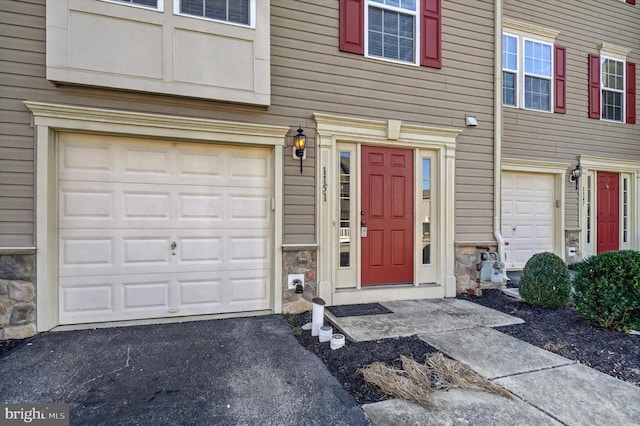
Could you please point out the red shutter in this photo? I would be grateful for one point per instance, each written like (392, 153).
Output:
(594, 86)
(560, 80)
(631, 93)
(430, 51)
(352, 26)
(631, 1)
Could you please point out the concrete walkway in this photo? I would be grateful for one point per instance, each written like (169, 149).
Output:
(549, 389)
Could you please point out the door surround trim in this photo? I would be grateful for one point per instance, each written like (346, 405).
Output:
(334, 129)
(602, 164)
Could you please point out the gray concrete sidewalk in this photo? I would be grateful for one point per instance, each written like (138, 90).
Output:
(234, 371)
(549, 389)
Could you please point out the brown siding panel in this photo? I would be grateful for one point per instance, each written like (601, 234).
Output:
(582, 26)
(309, 74)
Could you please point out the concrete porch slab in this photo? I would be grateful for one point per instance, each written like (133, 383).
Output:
(492, 353)
(578, 395)
(411, 317)
(457, 407)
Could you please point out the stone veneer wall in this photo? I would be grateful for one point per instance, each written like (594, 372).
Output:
(466, 270)
(572, 240)
(17, 296)
(299, 261)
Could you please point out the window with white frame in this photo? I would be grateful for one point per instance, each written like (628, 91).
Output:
(235, 11)
(527, 73)
(156, 4)
(509, 70)
(612, 86)
(392, 29)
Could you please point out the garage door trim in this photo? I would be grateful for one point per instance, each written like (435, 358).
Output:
(50, 119)
(559, 171)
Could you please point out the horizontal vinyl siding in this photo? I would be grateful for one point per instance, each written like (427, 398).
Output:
(583, 26)
(309, 72)
(309, 75)
(23, 78)
(21, 68)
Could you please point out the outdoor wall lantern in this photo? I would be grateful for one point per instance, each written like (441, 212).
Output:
(299, 144)
(575, 175)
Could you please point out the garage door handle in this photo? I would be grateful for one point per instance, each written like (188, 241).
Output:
(173, 248)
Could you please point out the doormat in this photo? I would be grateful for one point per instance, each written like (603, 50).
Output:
(358, 310)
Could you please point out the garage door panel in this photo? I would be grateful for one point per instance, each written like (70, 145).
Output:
(148, 161)
(198, 207)
(125, 201)
(200, 249)
(155, 205)
(149, 251)
(528, 215)
(86, 252)
(161, 206)
(199, 293)
(147, 294)
(96, 298)
(80, 160)
(96, 205)
(248, 288)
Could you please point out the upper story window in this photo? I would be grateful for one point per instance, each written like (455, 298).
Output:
(406, 31)
(509, 70)
(537, 75)
(527, 73)
(235, 11)
(533, 68)
(392, 28)
(156, 4)
(612, 85)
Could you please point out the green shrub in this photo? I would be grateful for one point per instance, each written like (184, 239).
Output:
(545, 281)
(607, 289)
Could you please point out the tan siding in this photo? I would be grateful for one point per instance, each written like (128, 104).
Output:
(309, 74)
(583, 26)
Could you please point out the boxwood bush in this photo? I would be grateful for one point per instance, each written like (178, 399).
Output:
(607, 289)
(545, 281)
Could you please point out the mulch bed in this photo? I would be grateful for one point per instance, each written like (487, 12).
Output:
(561, 331)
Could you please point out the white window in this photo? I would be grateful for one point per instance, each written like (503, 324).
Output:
(612, 85)
(509, 70)
(234, 11)
(155, 4)
(392, 26)
(527, 73)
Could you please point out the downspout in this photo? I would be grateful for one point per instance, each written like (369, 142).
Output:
(497, 129)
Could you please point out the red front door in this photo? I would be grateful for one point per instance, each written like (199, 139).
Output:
(608, 212)
(387, 213)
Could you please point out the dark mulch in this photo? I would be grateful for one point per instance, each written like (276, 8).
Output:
(561, 331)
(344, 362)
(564, 332)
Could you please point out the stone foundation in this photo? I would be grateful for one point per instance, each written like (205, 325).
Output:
(572, 240)
(299, 260)
(467, 273)
(17, 297)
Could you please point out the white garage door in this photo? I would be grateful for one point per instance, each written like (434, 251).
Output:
(152, 229)
(527, 215)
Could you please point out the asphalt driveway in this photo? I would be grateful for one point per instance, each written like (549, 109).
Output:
(234, 371)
